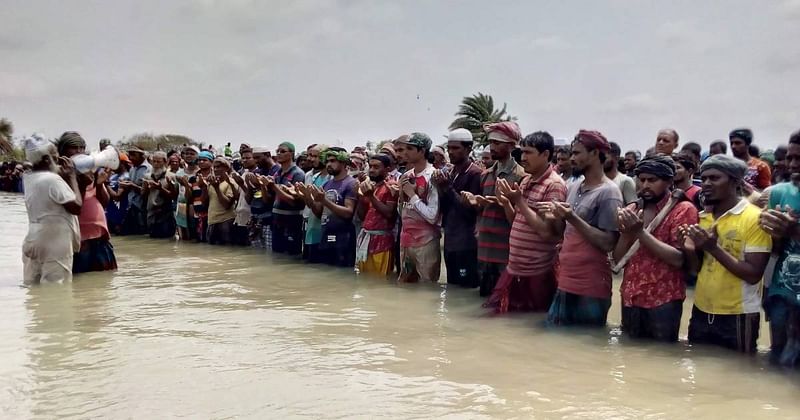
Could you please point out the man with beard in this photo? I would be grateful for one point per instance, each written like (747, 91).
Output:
(624, 182)
(221, 196)
(136, 218)
(399, 148)
(287, 211)
(194, 187)
(240, 235)
(666, 142)
(96, 252)
(183, 211)
(459, 218)
(731, 251)
(780, 172)
(261, 198)
(782, 305)
(631, 159)
(528, 283)
(685, 167)
(654, 284)
(335, 204)
(53, 201)
(494, 226)
(378, 208)
(419, 200)
(159, 193)
(758, 173)
(589, 222)
(316, 177)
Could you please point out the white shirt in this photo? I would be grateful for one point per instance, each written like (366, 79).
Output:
(53, 233)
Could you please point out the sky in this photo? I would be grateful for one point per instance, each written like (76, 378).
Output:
(324, 71)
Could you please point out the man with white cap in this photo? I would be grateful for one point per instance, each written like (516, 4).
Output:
(494, 226)
(53, 203)
(459, 218)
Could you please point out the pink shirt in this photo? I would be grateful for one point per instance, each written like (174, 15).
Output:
(92, 219)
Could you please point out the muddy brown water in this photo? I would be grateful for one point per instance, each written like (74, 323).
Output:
(188, 330)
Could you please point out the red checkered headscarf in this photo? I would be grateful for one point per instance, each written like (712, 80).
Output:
(593, 140)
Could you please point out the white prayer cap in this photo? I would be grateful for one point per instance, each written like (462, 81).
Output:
(461, 135)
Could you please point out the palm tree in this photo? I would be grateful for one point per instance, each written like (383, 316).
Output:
(477, 110)
(6, 130)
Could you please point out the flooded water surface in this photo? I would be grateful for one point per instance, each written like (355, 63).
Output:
(192, 330)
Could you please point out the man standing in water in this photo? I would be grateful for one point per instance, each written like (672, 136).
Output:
(459, 218)
(624, 182)
(240, 234)
(335, 205)
(782, 305)
(287, 212)
(183, 214)
(378, 210)
(158, 192)
(316, 177)
(654, 284)
(758, 173)
(261, 199)
(420, 254)
(731, 251)
(96, 252)
(136, 218)
(494, 226)
(52, 202)
(589, 220)
(528, 283)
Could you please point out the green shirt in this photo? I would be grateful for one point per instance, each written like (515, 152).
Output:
(786, 278)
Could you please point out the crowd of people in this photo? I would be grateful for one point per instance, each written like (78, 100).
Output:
(531, 226)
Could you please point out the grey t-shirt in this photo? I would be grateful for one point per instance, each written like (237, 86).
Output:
(627, 186)
(597, 206)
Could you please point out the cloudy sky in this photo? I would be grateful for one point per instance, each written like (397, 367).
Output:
(321, 71)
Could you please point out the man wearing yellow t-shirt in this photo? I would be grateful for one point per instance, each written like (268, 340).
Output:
(731, 251)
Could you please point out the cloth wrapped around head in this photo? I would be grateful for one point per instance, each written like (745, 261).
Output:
(593, 140)
(37, 147)
(205, 155)
(70, 139)
(728, 165)
(288, 146)
(340, 155)
(224, 162)
(659, 165)
(384, 159)
(506, 131)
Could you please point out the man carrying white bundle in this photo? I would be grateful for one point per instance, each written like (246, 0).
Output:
(53, 201)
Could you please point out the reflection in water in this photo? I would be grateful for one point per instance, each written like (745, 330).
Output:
(200, 331)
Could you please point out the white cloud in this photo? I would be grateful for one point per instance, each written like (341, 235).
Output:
(549, 42)
(637, 103)
(790, 9)
(21, 85)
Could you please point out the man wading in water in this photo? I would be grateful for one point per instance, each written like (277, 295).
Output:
(420, 253)
(731, 251)
(783, 297)
(96, 252)
(654, 283)
(52, 202)
(589, 220)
